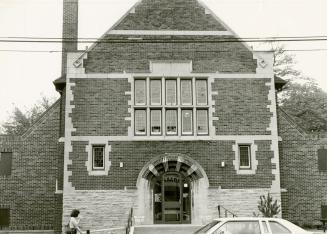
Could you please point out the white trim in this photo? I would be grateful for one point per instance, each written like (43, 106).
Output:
(241, 138)
(93, 157)
(170, 32)
(57, 190)
(254, 162)
(89, 163)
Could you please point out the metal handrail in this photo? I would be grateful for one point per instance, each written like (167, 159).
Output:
(130, 221)
(226, 211)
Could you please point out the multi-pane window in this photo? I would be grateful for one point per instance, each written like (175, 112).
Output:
(171, 106)
(245, 156)
(98, 157)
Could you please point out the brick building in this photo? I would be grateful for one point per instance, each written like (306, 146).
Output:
(167, 113)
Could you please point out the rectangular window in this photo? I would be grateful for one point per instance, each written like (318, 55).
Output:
(202, 121)
(4, 217)
(171, 106)
(140, 122)
(186, 92)
(187, 122)
(155, 122)
(171, 92)
(140, 92)
(171, 122)
(323, 212)
(322, 159)
(155, 86)
(5, 163)
(201, 92)
(245, 156)
(98, 157)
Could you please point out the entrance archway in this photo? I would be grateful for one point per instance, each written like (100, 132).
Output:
(172, 198)
(170, 188)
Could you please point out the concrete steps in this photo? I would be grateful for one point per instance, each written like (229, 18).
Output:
(166, 229)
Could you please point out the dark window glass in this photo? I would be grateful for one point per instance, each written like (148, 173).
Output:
(244, 156)
(322, 159)
(4, 217)
(324, 211)
(98, 157)
(5, 163)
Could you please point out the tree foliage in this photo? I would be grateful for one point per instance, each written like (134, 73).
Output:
(302, 98)
(268, 207)
(19, 121)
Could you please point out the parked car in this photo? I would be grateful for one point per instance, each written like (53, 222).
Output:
(253, 225)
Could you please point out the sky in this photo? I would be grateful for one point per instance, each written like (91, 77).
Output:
(26, 76)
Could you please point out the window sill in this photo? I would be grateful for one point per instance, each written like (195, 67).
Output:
(98, 173)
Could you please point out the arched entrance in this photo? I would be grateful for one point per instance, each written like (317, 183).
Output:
(171, 189)
(172, 198)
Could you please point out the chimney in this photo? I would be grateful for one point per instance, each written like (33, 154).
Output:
(69, 30)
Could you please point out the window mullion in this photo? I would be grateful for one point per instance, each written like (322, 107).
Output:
(163, 103)
(148, 117)
(179, 112)
(195, 132)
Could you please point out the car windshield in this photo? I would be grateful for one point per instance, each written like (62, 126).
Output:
(207, 227)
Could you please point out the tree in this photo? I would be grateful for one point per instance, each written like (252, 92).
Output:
(268, 207)
(19, 121)
(301, 97)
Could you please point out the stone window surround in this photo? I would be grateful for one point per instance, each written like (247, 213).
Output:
(89, 162)
(178, 106)
(253, 160)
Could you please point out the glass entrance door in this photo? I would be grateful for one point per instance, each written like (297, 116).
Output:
(172, 202)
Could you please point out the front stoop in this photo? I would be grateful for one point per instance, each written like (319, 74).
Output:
(166, 229)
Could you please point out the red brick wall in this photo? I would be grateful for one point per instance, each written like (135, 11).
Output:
(135, 56)
(241, 106)
(306, 185)
(136, 154)
(30, 190)
(169, 15)
(100, 107)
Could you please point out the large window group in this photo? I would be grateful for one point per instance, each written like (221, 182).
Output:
(170, 106)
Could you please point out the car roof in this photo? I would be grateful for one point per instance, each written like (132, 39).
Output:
(246, 218)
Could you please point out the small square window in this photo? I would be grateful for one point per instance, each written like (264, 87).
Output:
(98, 157)
(245, 156)
(4, 217)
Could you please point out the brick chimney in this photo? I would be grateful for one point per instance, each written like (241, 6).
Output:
(69, 30)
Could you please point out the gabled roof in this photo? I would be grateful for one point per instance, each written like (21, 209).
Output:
(187, 15)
